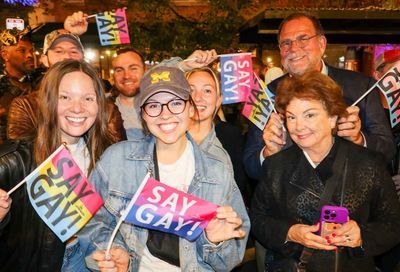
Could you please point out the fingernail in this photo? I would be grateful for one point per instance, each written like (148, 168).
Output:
(329, 241)
(336, 248)
(333, 234)
(327, 237)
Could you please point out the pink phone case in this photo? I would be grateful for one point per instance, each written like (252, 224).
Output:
(332, 217)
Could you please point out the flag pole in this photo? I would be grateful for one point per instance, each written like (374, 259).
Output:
(27, 177)
(269, 99)
(125, 213)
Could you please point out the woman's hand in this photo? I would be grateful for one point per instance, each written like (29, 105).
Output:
(304, 235)
(5, 204)
(198, 59)
(348, 235)
(118, 260)
(224, 226)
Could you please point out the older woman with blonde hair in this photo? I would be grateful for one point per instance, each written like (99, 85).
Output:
(322, 169)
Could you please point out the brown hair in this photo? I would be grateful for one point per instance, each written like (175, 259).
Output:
(314, 20)
(312, 85)
(132, 50)
(49, 134)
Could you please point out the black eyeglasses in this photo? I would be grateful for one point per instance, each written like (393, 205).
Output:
(301, 42)
(154, 109)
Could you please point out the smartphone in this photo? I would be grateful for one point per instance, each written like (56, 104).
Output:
(332, 217)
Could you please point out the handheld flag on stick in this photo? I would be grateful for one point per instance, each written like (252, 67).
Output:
(389, 85)
(112, 27)
(158, 206)
(61, 194)
(258, 106)
(236, 77)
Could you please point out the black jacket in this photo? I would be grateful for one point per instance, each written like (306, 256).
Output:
(288, 194)
(374, 124)
(26, 243)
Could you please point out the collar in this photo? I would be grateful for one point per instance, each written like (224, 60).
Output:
(21, 79)
(324, 69)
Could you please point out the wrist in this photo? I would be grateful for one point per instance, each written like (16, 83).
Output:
(359, 139)
(182, 66)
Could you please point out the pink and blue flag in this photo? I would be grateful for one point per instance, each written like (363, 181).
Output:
(259, 104)
(389, 85)
(113, 27)
(236, 77)
(160, 207)
(62, 195)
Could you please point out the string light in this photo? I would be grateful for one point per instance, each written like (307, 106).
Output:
(23, 2)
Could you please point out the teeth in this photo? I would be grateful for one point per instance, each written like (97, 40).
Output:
(168, 126)
(200, 107)
(298, 58)
(76, 119)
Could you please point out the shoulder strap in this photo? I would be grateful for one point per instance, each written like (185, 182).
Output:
(332, 182)
(326, 197)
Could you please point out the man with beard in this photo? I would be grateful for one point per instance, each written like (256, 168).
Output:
(302, 45)
(129, 68)
(17, 55)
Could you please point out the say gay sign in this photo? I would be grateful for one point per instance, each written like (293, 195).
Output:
(236, 77)
(62, 195)
(161, 207)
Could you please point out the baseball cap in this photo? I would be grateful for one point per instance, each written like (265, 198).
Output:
(388, 56)
(59, 35)
(10, 37)
(163, 79)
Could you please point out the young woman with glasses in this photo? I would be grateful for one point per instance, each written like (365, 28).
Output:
(166, 110)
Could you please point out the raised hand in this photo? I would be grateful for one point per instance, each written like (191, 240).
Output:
(274, 135)
(198, 59)
(350, 127)
(76, 23)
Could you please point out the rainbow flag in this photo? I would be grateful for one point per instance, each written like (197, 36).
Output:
(161, 207)
(257, 107)
(62, 195)
(113, 27)
(236, 77)
(389, 85)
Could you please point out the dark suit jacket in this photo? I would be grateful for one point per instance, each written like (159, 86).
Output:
(375, 125)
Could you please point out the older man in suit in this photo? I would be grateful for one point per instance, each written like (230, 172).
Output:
(302, 44)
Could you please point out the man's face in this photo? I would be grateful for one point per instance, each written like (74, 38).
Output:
(383, 69)
(20, 57)
(61, 51)
(128, 71)
(298, 60)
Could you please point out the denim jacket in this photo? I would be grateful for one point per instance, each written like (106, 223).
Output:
(212, 146)
(117, 176)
